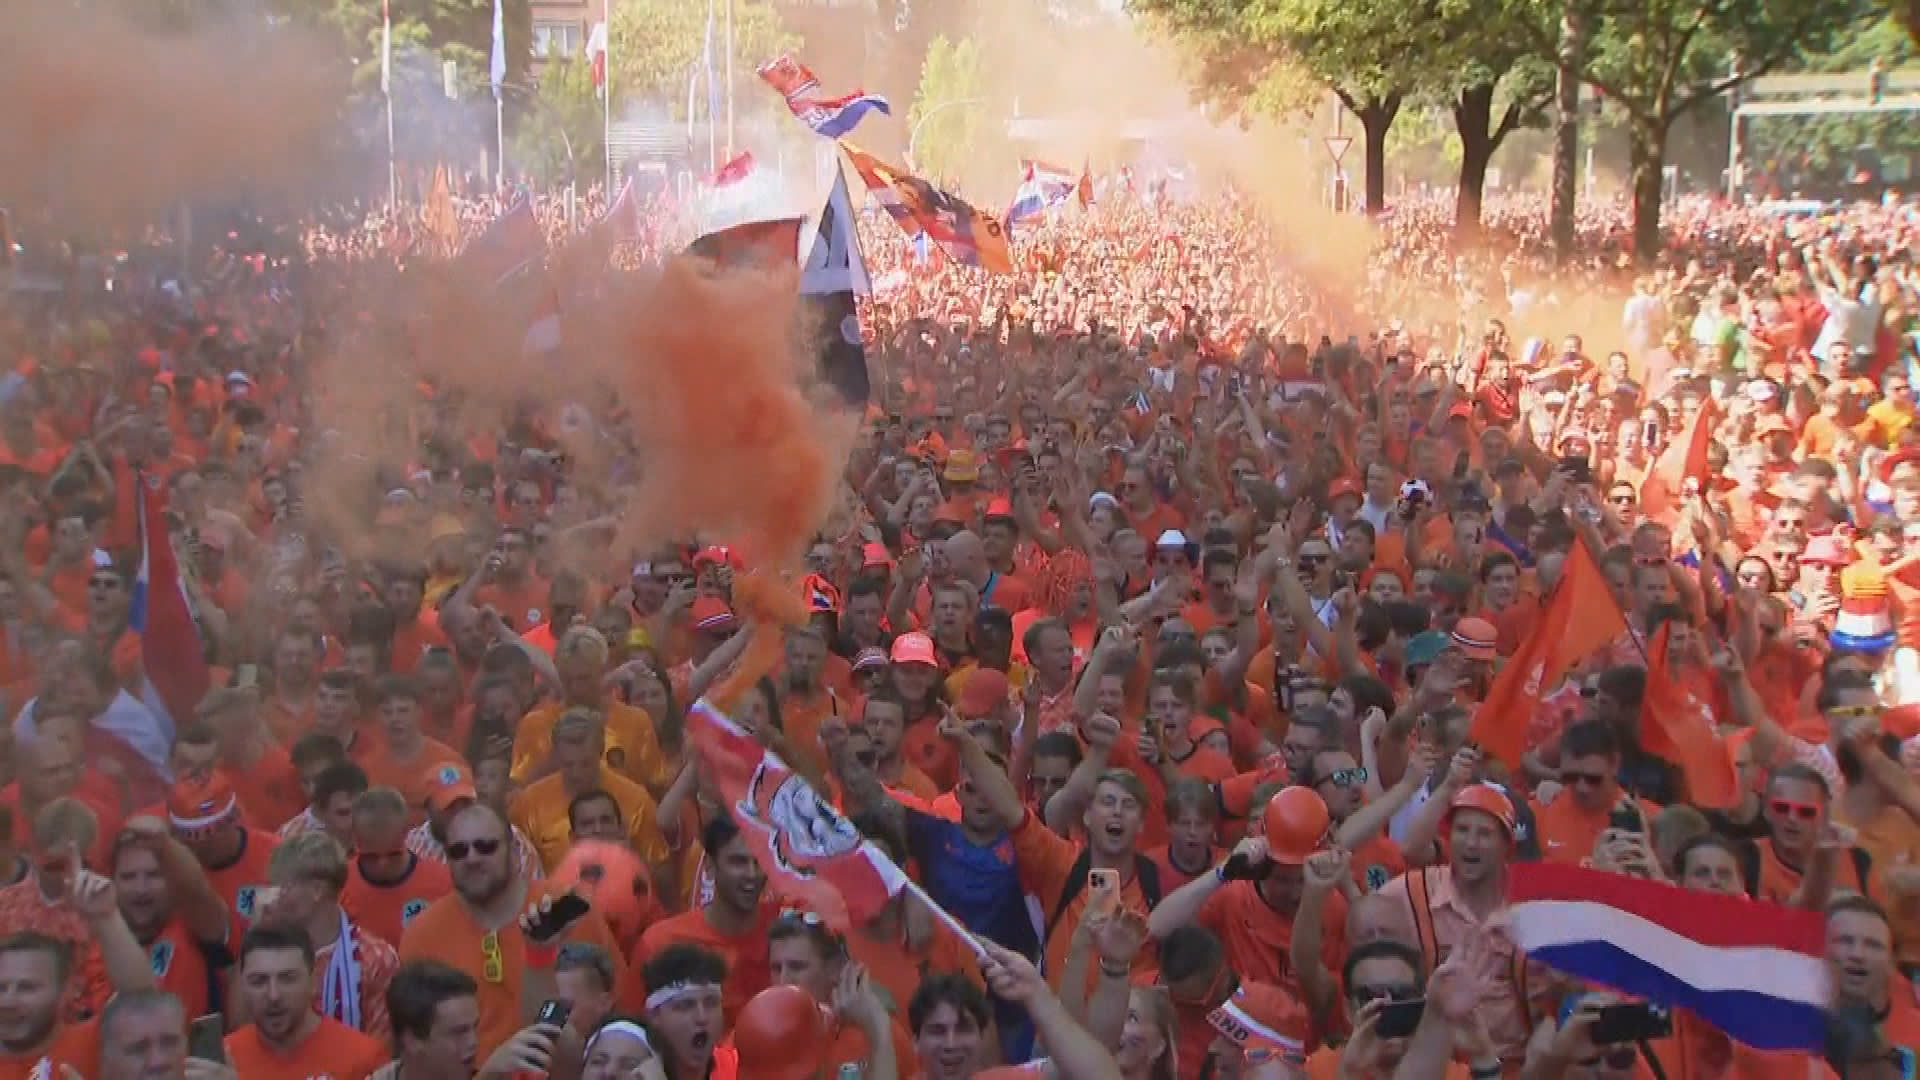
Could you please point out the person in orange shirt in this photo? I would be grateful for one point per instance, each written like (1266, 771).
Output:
(732, 924)
(543, 810)
(287, 1039)
(1860, 961)
(414, 629)
(388, 885)
(142, 1033)
(404, 758)
(1376, 972)
(1570, 822)
(682, 990)
(171, 909)
(205, 816)
(803, 953)
(72, 560)
(259, 770)
(477, 928)
(805, 699)
(877, 735)
(1797, 813)
(1192, 814)
(507, 583)
(632, 746)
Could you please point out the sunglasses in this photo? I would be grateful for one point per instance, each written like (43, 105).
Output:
(493, 966)
(1312, 561)
(1363, 994)
(1622, 500)
(1803, 811)
(460, 849)
(1583, 779)
(1353, 777)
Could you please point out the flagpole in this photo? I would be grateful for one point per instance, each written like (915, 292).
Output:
(606, 100)
(729, 80)
(713, 138)
(386, 90)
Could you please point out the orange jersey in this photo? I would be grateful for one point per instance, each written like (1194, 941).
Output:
(180, 966)
(436, 763)
(74, 1046)
(332, 1051)
(240, 881)
(745, 953)
(386, 910)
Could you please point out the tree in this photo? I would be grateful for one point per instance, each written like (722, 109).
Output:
(1829, 142)
(657, 48)
(945, 121)
(1657, 60)
(1493, 84)
(558, 138)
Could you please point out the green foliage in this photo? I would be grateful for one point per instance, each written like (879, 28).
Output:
(1830, 140)
(949, 109)
(655, 47)
(563, 111)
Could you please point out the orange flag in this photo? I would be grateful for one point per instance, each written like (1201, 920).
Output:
(1580, 619)
(1683, 460)
(1675, 725)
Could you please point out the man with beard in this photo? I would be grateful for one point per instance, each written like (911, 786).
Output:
(310, 871)
(476, 929)
(287, 1040)
(1439, 907)
(683, 1004)
(172, 910)
(731, 925)
(143, 1036)
(34, 969)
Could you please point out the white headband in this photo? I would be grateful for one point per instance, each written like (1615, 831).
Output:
(204, 821)
(623, 1027)
(671, 993)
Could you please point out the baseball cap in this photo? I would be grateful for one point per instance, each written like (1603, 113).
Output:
(1426, 646)
(914, 648)
(985, 691)
(711, 613)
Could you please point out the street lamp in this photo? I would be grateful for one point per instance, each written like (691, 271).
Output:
(913, 136)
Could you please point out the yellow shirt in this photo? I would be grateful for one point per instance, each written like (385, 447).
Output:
(631, 745)
(1892, 420)
(540, 811)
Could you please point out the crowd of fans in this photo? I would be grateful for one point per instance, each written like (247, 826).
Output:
(1149, 635)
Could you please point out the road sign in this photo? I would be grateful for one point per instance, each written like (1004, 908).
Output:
(1337, 146)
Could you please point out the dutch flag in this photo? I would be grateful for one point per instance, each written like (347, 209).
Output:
(1753, 970)
(174, 675)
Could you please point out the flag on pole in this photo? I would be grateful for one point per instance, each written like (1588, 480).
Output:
(834, 273)
(812, 854)
(597, 54)
(969, 236)
(1580, 619)
(507, 246)
(1753, 970)
(830, 117)
(174, 675)
(1042, 187)
(1681, 468)
(497, 69)
(1677, 726)
(386, 47)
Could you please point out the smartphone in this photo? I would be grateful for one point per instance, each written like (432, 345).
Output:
(1103, 891)
(566, 908)
(554, 1011)
(1578, 468)
(1625, 819)
(207, 1038)
(1398, 1019)
(1631, 1023)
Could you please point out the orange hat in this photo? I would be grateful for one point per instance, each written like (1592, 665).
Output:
(1477, 638)
(915, 648)
(1000, 507)
(985, 691)
(201, 801)
(450, 784)
(1345, 485)
(1488, 800)
(711, 613)
(1295, 824)
(614, 879)
(781, 1035)
(1264, 1021)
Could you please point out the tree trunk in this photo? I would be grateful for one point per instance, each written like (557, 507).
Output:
(1376, 116)
(1473, 119)
(1566, 130)
(1648, 154)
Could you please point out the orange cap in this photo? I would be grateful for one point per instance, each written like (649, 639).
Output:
(1263, 1021)
(449, 785)
(1295, 823)
(915, 648)
(781, 1035)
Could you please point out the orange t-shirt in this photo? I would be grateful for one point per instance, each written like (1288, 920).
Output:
(899, 972)
(268, 789)
(446, 932)
(745, 953)
(240, 881)
(386, 910)
(332, 1051)
(76, 1046)
(923, 747)
(1043, 859)
(180, 966)
(521, 606)
(1258, 939)
(1324, 1064)
(411, 640)
(435, 763)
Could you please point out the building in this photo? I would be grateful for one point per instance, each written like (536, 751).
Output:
(561, 27)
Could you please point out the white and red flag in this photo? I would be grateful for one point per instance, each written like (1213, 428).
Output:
(814, 856)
